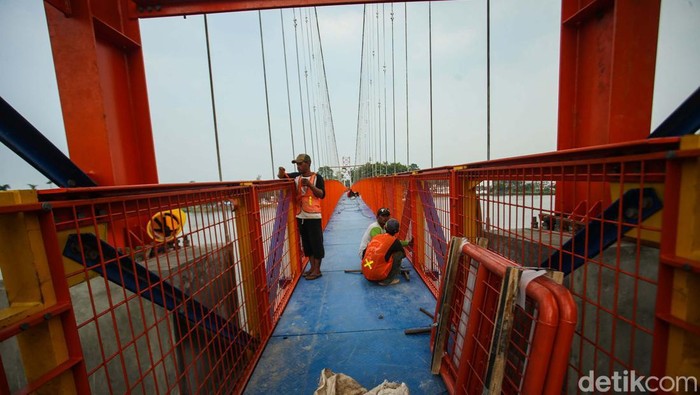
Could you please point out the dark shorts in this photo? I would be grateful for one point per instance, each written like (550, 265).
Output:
(311, 234)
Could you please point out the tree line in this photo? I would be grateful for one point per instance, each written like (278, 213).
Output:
(511, 187)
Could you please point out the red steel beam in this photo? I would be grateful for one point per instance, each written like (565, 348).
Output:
(606, 78)
(102, 86)
(608, 54)
(159, 8)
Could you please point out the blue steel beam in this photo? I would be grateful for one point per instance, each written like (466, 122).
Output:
(635, 206)
(26, 141)
(684, 120)
(121, 270)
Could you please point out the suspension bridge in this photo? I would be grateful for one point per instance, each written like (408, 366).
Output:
(527, 274)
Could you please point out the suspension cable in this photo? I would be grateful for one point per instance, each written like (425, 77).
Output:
(386, 131)
(301, 100)
(405, 30)
(286, 76)
(488, 79)
(334, 160)
(393, 80)
(213, 102)
(318, 106)
(430, 60)
(306, 77)
(379, 97)
(314, 136)
(267, 101)
(359, 140)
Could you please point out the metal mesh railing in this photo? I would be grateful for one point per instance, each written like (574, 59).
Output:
(593, 214)
(173, 288)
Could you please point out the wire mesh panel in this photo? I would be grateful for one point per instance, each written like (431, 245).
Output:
(464, 299)
(594, 214)
(431, 196)
(469, 356)
(274, 212)
(174, 289)
(597, 221)
(167, 310)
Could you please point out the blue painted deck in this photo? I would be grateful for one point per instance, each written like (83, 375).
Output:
(347, 324)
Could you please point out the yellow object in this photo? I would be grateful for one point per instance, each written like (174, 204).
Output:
(166, 225)
(29, 287)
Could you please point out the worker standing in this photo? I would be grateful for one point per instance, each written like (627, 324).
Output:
(310, 189)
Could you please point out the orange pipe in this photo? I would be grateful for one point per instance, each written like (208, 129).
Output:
(562, 342)
(545, 327)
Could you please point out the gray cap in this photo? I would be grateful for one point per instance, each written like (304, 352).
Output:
(301, 158)
(392, 226)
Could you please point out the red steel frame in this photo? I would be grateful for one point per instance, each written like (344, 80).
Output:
(101, 78)
(606, 78)
(608, 335)
(102, 86)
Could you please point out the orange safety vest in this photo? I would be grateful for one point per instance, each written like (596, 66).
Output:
(307, 200)
(374, 267)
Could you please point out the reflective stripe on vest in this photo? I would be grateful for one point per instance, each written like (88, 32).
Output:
(307, 200)
(374, 267)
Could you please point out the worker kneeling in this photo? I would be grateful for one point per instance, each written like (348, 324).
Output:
(382, 260)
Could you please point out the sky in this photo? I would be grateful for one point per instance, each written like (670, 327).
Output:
(524, 83)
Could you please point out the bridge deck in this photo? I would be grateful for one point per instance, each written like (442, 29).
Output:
(343, 322)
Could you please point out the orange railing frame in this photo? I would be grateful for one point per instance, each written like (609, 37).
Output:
(485, 202)
(236, 236)
(262, 240)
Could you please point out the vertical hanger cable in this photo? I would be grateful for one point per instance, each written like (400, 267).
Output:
(301, 99)
(267, 100)
(213, 102)
(430, 59)
(286, 76)
(393, 80)
(359, 140)
(488, 79)
(333, 160)
(405, 31)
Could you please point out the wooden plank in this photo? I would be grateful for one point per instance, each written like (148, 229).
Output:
(555, 275)
(442, 319)
(502, 331)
